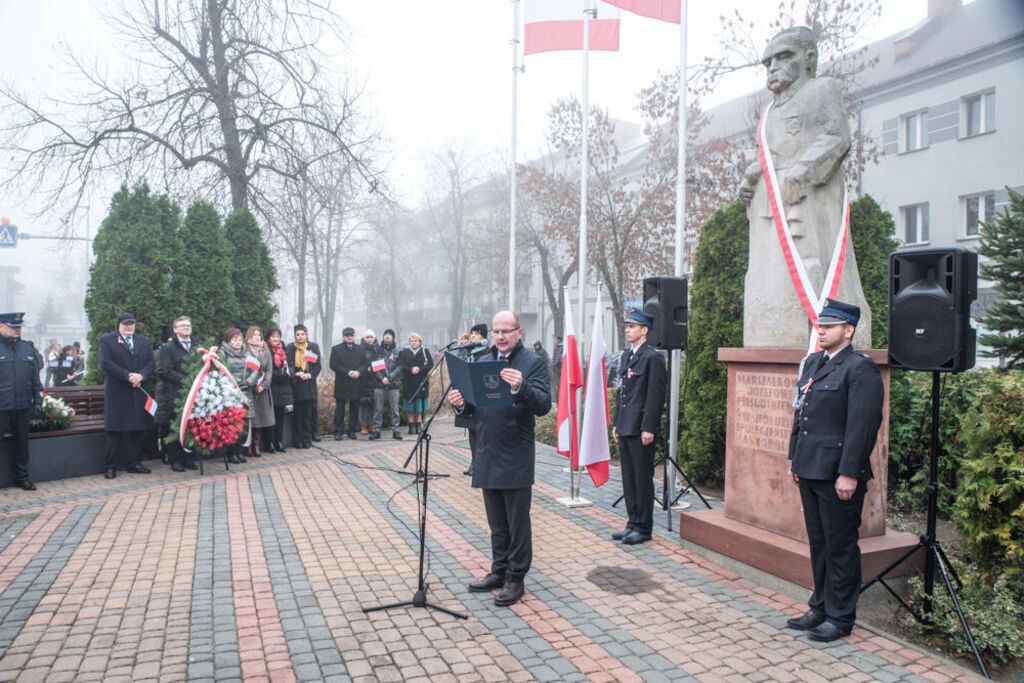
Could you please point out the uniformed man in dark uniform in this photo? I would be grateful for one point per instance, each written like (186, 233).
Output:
(21, 392)
(635, 422)
(838, 412)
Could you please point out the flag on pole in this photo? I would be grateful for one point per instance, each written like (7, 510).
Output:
(378, 365)
(150, 406)
(558, 25)
(252, 363)
(666, 10)
(571, 380)
(594, 453)
(311, 356)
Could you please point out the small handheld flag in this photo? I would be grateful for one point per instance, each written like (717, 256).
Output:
(378, 365)
(151, 405)
(253, 363)
(311, 356)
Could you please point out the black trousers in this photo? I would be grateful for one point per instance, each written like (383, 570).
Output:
(339, 415)
(129, 443)
(832, 527)
(16, 422)
(303, 421)
(637, 463)
(508, 515)
(278, 427)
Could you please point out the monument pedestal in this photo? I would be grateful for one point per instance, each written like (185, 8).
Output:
(762, 522)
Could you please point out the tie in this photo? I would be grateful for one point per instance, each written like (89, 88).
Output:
(131, 347)
(821, 362)
(187, 345)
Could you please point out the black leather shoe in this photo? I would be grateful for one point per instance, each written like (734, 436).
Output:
(396, 435)
(316, 437)
(510, 594)
(826, 632)
(190, 465)
(374, 436)
(351, 435)
(634, 537)
(619, 535)
(27, 485)
(178, 467)
(807, 621)
(109, 473)
(280, 449)
(339, 437)
(488, 583)
(234, 459)
(242, 458)
(138, 469)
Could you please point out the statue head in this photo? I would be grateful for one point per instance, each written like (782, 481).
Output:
(791, 55)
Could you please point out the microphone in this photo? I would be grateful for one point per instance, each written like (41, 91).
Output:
(465, 345)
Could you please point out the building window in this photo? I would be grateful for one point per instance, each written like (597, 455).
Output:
(978, 208)
(979, 113)
(915, 223)
(913, 131)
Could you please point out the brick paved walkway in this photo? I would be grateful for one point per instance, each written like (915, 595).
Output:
(262, 573)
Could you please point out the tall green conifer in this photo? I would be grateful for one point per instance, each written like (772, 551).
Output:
(1002, 243)
(252, 271)
(203, 273)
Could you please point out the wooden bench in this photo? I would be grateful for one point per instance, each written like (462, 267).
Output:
(87, 402)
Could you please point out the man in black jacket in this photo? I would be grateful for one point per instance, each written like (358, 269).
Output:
(172, 376)
(126, 359)
(504, 464)
(348, 363)
(838, 413)
(635, 422)
(21, 392)
(386, 376)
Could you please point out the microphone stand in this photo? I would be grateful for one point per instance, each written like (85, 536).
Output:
(422, 450)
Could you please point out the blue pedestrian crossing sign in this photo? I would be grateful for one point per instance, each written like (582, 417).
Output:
(8, 235)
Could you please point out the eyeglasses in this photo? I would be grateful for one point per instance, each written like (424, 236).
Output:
(499, 333)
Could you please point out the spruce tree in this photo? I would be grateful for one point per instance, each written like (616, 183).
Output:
(203, 274)
(871, 231)
(135, 252)
(715, 319)
(1002, 243)
(252, 271)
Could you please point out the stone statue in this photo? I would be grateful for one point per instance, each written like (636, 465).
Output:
(808, 136)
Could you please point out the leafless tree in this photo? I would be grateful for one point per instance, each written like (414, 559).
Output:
(225, 91)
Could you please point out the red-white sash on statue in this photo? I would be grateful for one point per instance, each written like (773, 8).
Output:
(811, 301)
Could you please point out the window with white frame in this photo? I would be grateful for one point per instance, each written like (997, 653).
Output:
(915, 223)
(977, 209)
(978, 113)
(914, 131)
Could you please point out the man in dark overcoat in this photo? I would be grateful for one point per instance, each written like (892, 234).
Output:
(348, 362)
(127, 361)
(21, 392)
(172, 376)
(505, 453)
(835, 425)
(635, 422)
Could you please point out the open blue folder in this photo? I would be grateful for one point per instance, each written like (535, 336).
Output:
(480, 382)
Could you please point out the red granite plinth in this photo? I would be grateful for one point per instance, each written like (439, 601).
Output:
(759, 492)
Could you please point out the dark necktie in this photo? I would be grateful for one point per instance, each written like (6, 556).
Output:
(131, 347)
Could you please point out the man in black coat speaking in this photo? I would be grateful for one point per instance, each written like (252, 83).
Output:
(641, 401)
(838, 413)
(504, 463)
(127, 361)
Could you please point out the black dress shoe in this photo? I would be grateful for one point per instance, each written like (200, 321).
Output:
(826, 632)
(178, 467)
(374, 436)
(27, 485)
(351, 435)
(234, 459)
(396, 435)
(488, 583)
(316, 437)
(280, 449)
(510, 594)
(138, 469)
(619, 535)
(807, 621)
(339, 437)
(634, 537)
(109, 473)
(190, 465)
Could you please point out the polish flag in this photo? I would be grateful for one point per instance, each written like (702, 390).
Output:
(378, 365)
(150, 405)
(666, 10)
(558, 25)
(311, 356)
(594, 451)
(252, 363)
(571, 380)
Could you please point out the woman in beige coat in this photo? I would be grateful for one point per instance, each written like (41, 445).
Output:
(262, 401)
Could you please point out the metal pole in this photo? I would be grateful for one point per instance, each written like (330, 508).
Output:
(673, 400)
(582, 257)
(512, 160)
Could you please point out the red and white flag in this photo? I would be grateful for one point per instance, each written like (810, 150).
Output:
(571, 380)
(311, 356)
(558, 25)
(666, 10)
(594, 452)
(150, 404)
(253, 363)
(378, 365)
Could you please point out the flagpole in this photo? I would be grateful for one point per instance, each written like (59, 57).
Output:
(512, 160)
(582, 257)
(673, 401)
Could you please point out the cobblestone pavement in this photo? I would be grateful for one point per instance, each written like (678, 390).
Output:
(263, 572)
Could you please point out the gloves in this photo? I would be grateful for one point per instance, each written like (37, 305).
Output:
(37, 409)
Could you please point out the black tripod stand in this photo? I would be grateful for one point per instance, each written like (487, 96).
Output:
(935, 556)
(421, 449)
(664, 502)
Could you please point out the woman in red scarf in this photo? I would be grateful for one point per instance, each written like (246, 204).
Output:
(280, 389)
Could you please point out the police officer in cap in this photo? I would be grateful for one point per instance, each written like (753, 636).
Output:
(838, 412)
(21, 392)
(638, 410)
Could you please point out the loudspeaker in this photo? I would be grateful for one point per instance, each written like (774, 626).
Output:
(930, 295)
(665, 302)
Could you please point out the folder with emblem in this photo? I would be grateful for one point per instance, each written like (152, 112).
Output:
(480, 382)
